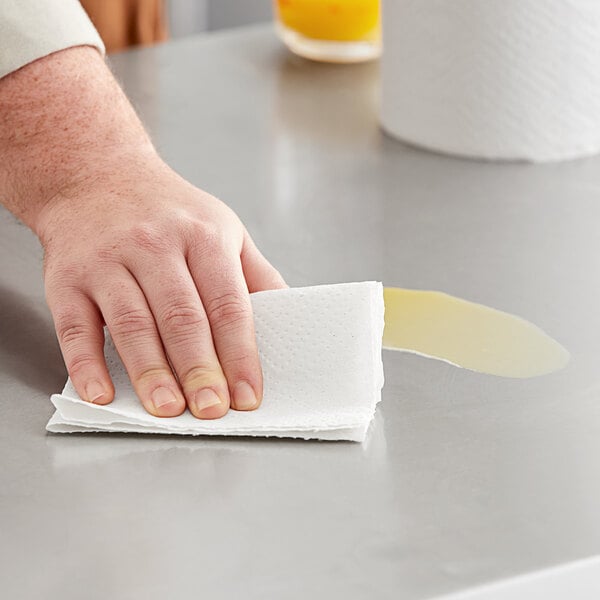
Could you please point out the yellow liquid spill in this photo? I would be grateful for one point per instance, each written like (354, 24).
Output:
(332, 20)
(468, 335)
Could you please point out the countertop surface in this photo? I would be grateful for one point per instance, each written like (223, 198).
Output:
(465, 478)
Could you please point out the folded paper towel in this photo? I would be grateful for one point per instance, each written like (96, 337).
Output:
(320, 349)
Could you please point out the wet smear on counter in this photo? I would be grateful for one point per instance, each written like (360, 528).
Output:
(468, 335)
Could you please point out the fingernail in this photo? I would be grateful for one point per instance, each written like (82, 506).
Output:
(244, 397)
(205, 398)
(94, 390)
(162, 396)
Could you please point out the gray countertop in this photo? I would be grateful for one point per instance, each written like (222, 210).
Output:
(466, 477)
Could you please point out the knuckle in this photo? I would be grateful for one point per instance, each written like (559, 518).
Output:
(69, 331)
(151, 374)
(181, 315)
(147, 239)
(241, 361)
(128, 320)
(205, 237)
(208, 231)
(227, 310)
(61, 280)
(108, 254)
(201, 375)
(79, 363)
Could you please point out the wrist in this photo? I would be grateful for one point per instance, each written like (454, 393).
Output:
(101, 179)
(70, 125)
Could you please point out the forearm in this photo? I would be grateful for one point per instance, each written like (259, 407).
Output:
(63, 119)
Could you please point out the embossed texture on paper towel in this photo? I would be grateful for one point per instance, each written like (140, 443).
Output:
(320, 350)
(505, 79)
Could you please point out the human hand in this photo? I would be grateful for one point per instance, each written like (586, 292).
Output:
(167, 267)
(128, 243)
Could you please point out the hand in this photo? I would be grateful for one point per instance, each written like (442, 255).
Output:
(129, 244)
(167, 268)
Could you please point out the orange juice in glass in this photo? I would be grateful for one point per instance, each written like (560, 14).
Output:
(330, 30)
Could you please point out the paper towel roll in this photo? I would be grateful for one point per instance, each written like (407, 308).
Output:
(495, 79)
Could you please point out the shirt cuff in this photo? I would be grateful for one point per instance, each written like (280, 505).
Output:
(32, 29)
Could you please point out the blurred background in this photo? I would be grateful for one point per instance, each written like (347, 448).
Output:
(124, 23)
(191, 16)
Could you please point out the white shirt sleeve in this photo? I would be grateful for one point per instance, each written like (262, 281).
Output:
(31, 29)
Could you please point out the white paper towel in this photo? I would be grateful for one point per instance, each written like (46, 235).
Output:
(320, 350)
(496, 79)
